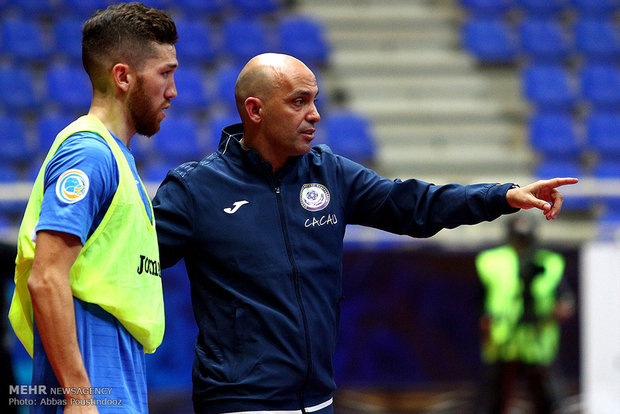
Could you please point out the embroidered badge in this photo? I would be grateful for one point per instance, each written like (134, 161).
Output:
(72, 186)
(314, 197)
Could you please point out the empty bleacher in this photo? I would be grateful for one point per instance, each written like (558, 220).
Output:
(450, 91)
(454, 88)
(43, 85)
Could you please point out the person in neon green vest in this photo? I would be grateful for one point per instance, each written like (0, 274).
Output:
(526, 299)
(88, 298)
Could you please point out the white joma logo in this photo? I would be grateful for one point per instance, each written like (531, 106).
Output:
(236, 206)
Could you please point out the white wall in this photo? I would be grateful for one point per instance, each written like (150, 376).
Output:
(600, 327)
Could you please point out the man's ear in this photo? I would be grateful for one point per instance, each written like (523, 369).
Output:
(122, 76)
(253, 108)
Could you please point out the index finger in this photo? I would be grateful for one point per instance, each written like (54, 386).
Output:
(557, 182)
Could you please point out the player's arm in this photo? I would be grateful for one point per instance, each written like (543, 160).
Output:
(52, 302)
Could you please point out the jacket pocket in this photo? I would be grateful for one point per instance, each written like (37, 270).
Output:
(246, 358)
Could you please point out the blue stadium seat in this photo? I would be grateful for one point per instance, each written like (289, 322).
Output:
(544, 40)
(607, 169)
(215, 126)
(549, 87)
(609, 220)
(155, 171)
(303, 37)
(83, 8)
(609, 203)
(196, 42)
(349, 134)
(31, 7)
(48, 126)
(597, 40)
(191, 90)
(558, 168)
(225, 80)
(141, 149)
(199, 8)
(554, 135)
(17, 89)
(255, 7)
(486, 7)
(178, 139)
(6, 231)
(8, 173)
(490, 40)
(541, 8)
(595, 7)
(69, 87)
(68, 37)
(158, 4)
(22, 39)
(600, 86)
(14, 143)
(603, 132)
(244, 38)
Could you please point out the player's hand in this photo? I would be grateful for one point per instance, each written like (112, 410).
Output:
(542, 194)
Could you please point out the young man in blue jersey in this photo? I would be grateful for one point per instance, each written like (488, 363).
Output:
(260, 224)
(85, 306)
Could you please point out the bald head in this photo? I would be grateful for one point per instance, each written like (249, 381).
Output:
(262, 75)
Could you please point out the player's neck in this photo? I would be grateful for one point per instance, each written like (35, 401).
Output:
(114, 119)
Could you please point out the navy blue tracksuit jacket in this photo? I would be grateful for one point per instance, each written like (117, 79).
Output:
(264, 256)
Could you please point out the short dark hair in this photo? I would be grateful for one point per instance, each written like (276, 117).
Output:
(123, 33)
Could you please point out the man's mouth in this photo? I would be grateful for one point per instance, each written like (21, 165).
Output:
(309, 132)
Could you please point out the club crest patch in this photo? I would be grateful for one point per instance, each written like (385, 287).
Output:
(72, 186)
(314, 197)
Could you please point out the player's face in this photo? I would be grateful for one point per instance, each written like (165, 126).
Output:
(290, 113)
(153, 90)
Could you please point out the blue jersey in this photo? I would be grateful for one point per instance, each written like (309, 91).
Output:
(113, 359)
(95, 160)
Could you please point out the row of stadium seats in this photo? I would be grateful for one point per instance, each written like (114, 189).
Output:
(539, 8)
(558, 88)
(542, 39)
(43, 86)
(24, 40)
(557, 135)
(58, 8)
(67, 87)
(181, 138)
(567, 56)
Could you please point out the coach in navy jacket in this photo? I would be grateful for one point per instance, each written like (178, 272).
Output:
(260, 224)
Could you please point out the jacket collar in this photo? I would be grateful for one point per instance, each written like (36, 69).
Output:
(230, 143)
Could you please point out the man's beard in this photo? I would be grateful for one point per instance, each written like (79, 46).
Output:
(143, 115)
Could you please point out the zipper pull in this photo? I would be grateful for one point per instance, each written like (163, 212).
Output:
(277, 190)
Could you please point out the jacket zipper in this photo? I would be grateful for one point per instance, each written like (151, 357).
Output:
(297, 281)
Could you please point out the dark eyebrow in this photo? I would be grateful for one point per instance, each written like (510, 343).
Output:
(304, 92)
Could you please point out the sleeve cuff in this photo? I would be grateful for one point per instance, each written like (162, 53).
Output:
(496, 200)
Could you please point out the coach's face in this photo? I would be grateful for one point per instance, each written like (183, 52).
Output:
(290, 113)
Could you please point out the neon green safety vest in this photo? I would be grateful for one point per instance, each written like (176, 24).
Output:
(118, 266)
(511, 339)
